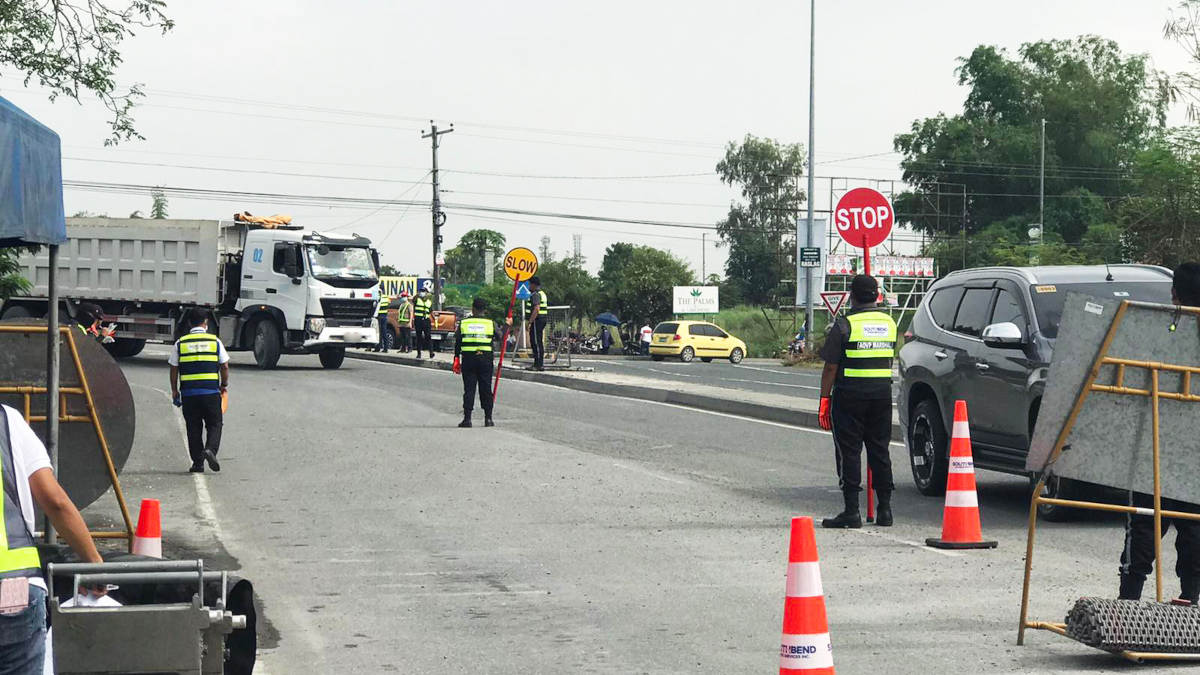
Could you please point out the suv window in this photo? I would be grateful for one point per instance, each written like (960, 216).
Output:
(277, 259)
(1009, 309)
(666, 327)
(973, 311)
(697, 329)
(943, 304)
(1048, 300)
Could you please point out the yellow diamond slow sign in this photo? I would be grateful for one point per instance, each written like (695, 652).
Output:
(520, 264)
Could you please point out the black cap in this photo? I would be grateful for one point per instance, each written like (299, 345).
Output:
(864, 289)
(535, 280)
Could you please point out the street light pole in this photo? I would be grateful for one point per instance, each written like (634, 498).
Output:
(808, 239)
(1042, 193)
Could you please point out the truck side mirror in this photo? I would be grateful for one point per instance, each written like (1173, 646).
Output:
(291, 262)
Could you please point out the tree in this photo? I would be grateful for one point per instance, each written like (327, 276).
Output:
(389, 271)
(567, 283)
(73, 48)
(612, 276)
(1183, 28)
(158, 210)
(12, 276)
(1160, 223)
(646, 284)
(761, 231)
(1100, 106)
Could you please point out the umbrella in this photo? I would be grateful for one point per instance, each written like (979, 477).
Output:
(608, 319)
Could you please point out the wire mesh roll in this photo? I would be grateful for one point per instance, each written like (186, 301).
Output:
(1131, 625)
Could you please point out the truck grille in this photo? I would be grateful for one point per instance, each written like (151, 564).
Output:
(353, 311)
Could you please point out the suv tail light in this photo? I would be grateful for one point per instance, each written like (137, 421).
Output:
(678, 336)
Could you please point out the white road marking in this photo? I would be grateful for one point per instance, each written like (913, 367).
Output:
(777, 372)
(771, 384)
(649, 473)
(874, 533)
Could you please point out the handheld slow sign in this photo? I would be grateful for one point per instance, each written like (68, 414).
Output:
(520, 264)
(864, 217)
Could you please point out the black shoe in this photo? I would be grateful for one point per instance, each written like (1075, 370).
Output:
(1189, 589)
(1131, 587)
(883, 515)
(211, 458)
(845, 520)
(487, 421)
(466, 423)
(197, 468)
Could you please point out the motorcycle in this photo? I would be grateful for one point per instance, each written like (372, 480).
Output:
(796, 346)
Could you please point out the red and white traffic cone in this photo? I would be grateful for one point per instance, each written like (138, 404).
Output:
(148, 539)
(960, 520)
(805, 647)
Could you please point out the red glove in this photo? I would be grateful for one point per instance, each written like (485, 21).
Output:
(825, 415)
(457, 367)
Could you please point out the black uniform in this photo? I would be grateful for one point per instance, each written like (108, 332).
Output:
(1137, 558)
(474, 350)
(862, 343)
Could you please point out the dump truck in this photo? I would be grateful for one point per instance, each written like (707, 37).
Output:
(270, 290)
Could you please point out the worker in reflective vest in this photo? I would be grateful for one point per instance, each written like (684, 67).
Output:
(404, 321)
(535, 314)
(381, 318)
(422, 313)
(89, 319)
(473, 360)
(29, 479)
(856, 399)
(199, 378)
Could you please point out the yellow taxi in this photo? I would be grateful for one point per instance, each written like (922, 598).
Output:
(690, 340)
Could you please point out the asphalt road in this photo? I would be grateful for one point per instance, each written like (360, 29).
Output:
(584, 534)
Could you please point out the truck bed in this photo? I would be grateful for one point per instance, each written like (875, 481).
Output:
(136, 260)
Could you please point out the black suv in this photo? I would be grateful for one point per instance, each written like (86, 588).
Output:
(986, 336)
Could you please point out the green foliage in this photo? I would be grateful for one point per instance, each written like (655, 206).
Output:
(465, 262)
(566, 283)
(158, 210)
(389, 271)
(12, 279)
(760, 232)
(636, 282)
(1100, 106)
(1160, 222)
(74, 48)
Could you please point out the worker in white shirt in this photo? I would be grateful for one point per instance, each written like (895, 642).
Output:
(646, 333)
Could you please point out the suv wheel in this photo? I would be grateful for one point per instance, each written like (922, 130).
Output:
(1058, 488)
(928, 448)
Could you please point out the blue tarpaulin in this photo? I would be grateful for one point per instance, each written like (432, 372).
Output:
(31, 192)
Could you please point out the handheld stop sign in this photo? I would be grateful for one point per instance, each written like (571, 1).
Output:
(520, 264)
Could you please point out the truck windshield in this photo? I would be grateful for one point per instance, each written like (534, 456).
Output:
(1048, 300)
(344, 263)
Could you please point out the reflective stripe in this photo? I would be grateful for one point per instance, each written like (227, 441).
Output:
(198, 357)
(199, 376)
(804, 580)
(869, 372)
(199, 361)
(18, 556)
(871, 327)
(806, 652)
(961, 430)
(477, 335)
(15, 559)
(870, 353)
(961, 499)
(543, 303)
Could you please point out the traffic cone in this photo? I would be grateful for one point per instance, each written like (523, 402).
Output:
(960, 521)
(805, 647)
(148, 539)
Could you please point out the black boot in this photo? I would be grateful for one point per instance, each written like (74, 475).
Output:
(850, 518)
(1131, 587)
(487, 420)
(466, 423)
(1190, 589)
(883, 515)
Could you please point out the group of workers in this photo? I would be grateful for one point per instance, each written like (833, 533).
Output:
(414, 323)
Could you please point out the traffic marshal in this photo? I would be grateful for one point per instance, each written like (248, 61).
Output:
(520, 264)
(864, 217)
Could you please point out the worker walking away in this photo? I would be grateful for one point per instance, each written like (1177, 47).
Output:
(647, 334)
(404, 320)
(381, 317)
(29, 479)
(422, 313)
(473, 360)
(1137, 557)
(199, 378)
(535, 309)
(856, 399)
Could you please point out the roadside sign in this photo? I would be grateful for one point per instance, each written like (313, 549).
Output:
(439, 259)
(834, 301)
(520, 264)
(864, 217)
(523, 292)
(696, 300)
(810, 256)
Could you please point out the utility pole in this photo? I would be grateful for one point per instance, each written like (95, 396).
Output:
(439, 218)
(1042, 193)
(808, 239)
(703, 258)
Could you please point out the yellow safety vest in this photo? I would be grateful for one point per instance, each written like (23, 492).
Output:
(384, 303)
(199, 362)
(543, 304)
(871, 347)
(405, 312)
(19, 555)
(423, 307)
(477, 334)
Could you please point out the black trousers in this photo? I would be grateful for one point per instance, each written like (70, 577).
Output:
(537, 342)
(861, 422)
(383, 325)
(1137, 559)
(405, 339)
(424, 341)
(477, 373)
(201, 412)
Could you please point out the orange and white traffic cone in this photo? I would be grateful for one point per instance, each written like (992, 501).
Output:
(960, 521)
(148, 539)
(805, 647)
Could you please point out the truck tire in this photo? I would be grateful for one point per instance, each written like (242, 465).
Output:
(928, 448)
(332, 359)
(125, 348)
(17, 312)
(391, 340)
(266, 344)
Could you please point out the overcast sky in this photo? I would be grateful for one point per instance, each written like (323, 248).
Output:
(591, 94)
